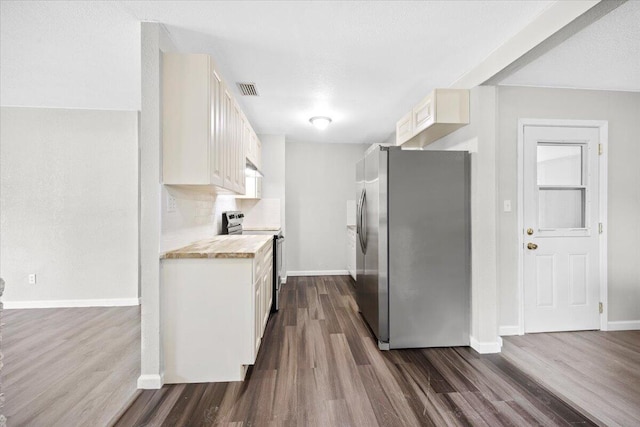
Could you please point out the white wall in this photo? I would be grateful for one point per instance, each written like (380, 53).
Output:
(154, 41)
(273, 168)
(69, 205)
(69, 54)
(274, 182)
(479, 138)
(622, 110)
(320, 179)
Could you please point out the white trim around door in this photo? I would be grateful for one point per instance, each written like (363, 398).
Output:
(603, 127)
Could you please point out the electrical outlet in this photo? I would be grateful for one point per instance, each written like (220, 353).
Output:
(171, 203)
(32, 279)
(507, 205)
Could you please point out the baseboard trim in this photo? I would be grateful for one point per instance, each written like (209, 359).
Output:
(486, 347)
(151, 382)
(624, 325)
(318, 273)
(114, 302)
(506, 331)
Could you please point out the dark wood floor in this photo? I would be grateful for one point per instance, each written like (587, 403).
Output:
(69, 366)
(319, 366)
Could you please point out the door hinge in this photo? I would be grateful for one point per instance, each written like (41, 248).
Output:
(600, 150)
(600, 228)
(600, 307)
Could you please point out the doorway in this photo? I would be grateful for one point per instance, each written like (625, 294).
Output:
(562, 218)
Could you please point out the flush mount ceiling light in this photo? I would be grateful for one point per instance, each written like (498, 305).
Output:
(321, 122)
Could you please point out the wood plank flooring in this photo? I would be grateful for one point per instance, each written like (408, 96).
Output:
(319, 366)
(69, 366)
(599, 371)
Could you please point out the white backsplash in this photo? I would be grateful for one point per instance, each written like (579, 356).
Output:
(197, 215)
(260, 213)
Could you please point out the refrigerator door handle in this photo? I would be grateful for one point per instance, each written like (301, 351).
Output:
(363, 222)
(358, 216)
(359, 220)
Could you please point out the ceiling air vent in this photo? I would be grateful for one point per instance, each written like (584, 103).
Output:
(248, 89)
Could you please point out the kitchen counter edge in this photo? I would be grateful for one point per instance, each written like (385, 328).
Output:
(222, 246)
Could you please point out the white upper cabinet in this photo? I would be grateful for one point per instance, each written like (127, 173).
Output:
(191, 151)
(440, 113)
(258, 153)
(227, 136)
(206, 138)
(404, 128)
(254, 150)
(240, 158)
(217, 154)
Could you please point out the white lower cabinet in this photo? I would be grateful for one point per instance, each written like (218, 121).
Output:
(213, 315)
(351, 251)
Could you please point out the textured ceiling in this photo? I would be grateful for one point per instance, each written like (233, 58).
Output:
(604, 56)
(362, 63)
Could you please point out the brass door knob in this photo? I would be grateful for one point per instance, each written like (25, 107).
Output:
(532, 246)
(529, 231)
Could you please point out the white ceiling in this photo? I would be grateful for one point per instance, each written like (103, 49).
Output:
(604, 56)
(364, 64)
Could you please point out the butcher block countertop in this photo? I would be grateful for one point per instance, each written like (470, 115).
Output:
(263, 228)
(223, 246)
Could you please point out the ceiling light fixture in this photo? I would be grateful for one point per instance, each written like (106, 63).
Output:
(321, 122)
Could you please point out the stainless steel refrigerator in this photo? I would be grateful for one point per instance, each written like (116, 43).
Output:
(413, 253)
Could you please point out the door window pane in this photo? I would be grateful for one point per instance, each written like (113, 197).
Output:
(562, 208)
(559, 164)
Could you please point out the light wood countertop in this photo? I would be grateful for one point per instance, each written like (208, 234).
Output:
(263, 228)
(223, 246)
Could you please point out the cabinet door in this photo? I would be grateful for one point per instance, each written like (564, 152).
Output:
(246, 139)
(267, 289)
(404, 128)
(351, 252)
(240, 157)
(258, 153)
(258, 316)
(227, 134)
(424, 114)
(349, 266)
(186, 113)
(251, 153)
(217, 144)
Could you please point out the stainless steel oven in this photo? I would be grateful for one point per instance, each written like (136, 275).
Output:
(232, 224)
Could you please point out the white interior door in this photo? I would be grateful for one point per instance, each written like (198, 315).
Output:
(561, 254)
